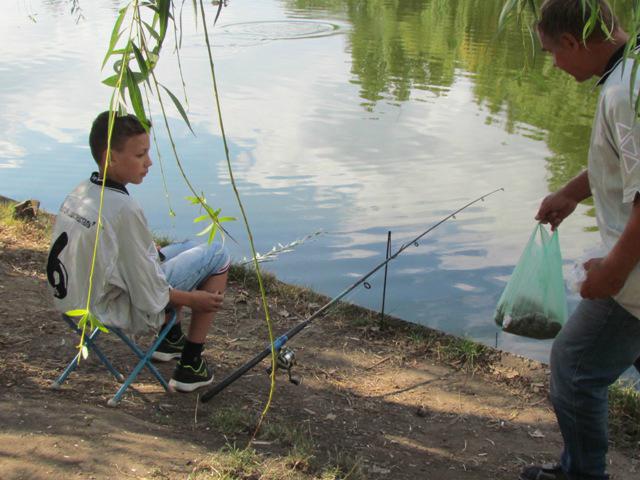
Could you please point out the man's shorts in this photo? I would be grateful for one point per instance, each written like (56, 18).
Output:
(188, 264)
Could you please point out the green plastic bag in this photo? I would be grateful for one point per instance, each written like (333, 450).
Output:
(534, 303)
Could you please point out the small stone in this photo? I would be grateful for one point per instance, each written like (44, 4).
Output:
(422, 412)
(27, 210)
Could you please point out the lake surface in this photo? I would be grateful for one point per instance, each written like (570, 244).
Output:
(351, 117)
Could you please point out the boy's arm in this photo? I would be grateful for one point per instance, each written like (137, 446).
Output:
(559, 205)
(197, 300)
(606, 276)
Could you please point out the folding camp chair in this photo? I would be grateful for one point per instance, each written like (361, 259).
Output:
(144, 357)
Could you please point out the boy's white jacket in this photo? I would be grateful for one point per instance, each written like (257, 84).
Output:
(129, 289)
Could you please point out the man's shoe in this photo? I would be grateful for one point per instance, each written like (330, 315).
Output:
(168, 350)
(548, 471)
(187, 378)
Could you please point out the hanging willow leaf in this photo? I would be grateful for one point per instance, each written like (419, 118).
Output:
(220, 4)
(592, 21)
(152, 31)
(632, 78)
(206, 230)
(178, 105)
(164, 13)
(115, 35)
(136, 99)
(142, 63)
(506, 12)
(212, 234)
(534, 10)
(195, 9)
(112, 81)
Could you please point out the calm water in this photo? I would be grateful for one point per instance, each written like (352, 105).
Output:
(352, 117)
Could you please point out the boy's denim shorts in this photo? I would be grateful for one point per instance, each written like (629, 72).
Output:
(188, 264)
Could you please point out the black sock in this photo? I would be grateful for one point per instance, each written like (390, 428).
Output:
(174, 334)
(191, 353)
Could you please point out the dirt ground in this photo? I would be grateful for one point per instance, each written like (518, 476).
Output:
(387, 402)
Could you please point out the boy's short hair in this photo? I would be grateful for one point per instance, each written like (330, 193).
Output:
(124, 127)
(570, 16)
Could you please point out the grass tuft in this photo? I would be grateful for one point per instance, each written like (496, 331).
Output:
(624, 412)
(466, 352)
(162, 240)
(246, 276)
(294, 437)
(231, 420)
(38, 230)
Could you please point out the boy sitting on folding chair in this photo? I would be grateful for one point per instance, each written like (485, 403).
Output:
(134, 283)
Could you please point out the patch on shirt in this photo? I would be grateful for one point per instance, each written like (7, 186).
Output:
(628, 148)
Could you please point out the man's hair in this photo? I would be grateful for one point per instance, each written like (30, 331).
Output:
(124, 127)
(571, 16)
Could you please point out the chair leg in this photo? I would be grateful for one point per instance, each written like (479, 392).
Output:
(145, 359)
(141, 354)
(91, 345)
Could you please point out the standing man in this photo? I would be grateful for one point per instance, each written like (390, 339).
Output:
(602, 337)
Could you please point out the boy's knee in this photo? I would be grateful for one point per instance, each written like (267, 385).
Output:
(218, 253)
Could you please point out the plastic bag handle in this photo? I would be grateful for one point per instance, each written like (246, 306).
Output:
(545, 238)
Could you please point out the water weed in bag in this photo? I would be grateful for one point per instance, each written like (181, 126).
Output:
(534, 302)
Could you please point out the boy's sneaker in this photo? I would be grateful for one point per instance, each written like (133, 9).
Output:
(548, 471)
(168, 350)
(187, 378)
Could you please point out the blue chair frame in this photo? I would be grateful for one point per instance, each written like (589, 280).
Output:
(144, 358)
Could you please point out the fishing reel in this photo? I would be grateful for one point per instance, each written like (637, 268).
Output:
(285, 360)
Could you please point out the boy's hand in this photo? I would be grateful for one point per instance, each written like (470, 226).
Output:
(602, 281)
(555, 208)
(203, 301)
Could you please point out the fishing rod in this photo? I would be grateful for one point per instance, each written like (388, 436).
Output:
(286, 357)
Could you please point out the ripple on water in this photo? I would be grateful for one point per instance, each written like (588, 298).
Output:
(234, 37)
(280, 30)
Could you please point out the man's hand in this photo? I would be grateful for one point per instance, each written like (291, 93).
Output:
(203, 301)
(602, 281)
(555, 208)
(559, 205)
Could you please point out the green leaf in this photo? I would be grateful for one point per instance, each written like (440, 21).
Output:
(203, 232)
(534, 11)
(200, 218)
(136, 99)
(634, 75)
(100, 326)
(226, 219)
(164, 13)
(212, 235)
(83, 321)
(115, 35)
(95, 323)
(113, 79)
(178, 105)
(76, 313)
(507, 10)
(195, 9)
(142, 63)
(152, 31)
